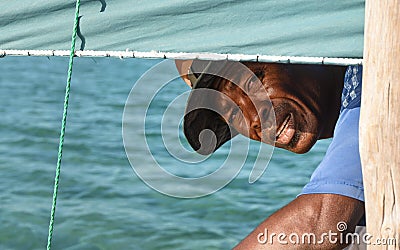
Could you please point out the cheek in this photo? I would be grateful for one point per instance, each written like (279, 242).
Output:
(224, 116)
(241, 125)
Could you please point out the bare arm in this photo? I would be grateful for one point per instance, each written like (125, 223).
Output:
(310, 213)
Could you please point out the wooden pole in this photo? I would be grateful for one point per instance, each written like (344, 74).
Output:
(380, 122)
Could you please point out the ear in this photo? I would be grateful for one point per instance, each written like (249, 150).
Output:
(183, 68)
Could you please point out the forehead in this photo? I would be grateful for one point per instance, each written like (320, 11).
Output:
(227, 87)
(238, 79)
(257, 66)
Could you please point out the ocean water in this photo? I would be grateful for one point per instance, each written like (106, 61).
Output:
(102, 203)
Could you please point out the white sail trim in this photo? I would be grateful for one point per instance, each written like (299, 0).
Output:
(187, 56)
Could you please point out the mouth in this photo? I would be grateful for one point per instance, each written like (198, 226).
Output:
(286, 131)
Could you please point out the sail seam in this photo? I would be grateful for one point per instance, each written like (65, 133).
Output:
(187, 56)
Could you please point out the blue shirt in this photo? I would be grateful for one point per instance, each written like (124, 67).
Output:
(340, 170)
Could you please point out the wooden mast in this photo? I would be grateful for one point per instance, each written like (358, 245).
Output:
(380, 121)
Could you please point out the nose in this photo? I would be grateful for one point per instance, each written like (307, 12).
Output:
(255, 123)
(260, 115)
(256, 113)
(261, 122)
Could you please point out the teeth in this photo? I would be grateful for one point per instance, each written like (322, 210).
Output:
(283, 126)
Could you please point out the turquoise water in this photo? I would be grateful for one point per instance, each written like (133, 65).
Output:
(102, 204)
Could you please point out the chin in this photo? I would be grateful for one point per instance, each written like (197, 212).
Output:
(301, 143)
(297, 126)
(300, 134)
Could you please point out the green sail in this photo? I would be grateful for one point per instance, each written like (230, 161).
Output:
(305, 28)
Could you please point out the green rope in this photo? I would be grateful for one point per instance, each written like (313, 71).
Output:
(63, 123)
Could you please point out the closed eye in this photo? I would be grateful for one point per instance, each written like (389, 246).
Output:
(233, 114)
(249, 85)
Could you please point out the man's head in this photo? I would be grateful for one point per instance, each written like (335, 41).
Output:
(305, 100)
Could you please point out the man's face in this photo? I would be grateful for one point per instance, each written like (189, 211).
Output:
(305, 100)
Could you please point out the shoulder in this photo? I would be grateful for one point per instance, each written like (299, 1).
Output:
(351, 94)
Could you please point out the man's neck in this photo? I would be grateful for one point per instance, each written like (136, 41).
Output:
(333, 102)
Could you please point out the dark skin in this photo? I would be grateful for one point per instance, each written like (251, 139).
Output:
(306, 101)
(305, 98)
(311, 213)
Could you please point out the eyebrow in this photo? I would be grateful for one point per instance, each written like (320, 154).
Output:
(259, 73)
(235, 110)
(224, 104)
